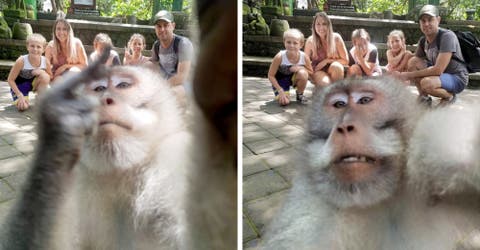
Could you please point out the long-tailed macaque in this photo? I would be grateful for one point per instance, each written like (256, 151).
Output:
(379, 172)
(119, 166)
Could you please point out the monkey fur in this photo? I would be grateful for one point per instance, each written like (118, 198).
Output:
(119, 166)
(380, 172)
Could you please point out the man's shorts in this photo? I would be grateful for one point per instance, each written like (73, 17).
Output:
(25, 86)
(285, 81)
(451, 83)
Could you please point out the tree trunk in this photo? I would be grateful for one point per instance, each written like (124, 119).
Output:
(54, 6)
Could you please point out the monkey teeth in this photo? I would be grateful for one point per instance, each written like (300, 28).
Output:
(348, 159)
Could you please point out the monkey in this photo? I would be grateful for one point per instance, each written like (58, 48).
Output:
(212, 191)
(118, 166)
(379, 171)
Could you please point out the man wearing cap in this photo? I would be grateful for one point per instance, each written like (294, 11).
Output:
(172, 52)
(438, 67)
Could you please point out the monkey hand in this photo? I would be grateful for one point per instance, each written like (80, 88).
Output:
(67, 116)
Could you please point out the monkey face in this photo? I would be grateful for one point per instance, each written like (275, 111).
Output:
(356, 142)
(137, 111)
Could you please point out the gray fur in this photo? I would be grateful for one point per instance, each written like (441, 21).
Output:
(434, 203)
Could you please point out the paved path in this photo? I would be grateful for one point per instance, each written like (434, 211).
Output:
(270, 135)
(17, 139)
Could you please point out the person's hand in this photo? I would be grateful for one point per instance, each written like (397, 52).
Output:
(400, 75)
(283, 98)
(37, 72)
(128, 55)
(294, 68)
(22, 103)
(359, 52)
(61, 69)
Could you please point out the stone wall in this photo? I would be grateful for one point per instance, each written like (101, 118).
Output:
(377, 28)
(86, 31)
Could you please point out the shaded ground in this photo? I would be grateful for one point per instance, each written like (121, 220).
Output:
(17, 139)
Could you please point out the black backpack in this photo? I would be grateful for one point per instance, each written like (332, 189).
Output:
(176, 41)
(469, 45)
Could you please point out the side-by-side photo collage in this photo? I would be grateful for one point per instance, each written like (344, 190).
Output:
(239, 125)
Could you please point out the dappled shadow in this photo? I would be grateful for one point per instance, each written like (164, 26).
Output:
(272, 107)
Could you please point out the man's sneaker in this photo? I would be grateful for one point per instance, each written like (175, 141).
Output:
(447, 101)
(425, 100)
(301, 99)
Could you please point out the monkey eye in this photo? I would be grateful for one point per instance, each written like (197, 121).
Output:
(122, 82)
(339, 104)
(123, 85)
(338, 100)
(99, 88)
(365, 100)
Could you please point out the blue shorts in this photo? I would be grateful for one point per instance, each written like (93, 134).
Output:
(451, 83)
(24, 85)
(285, 81)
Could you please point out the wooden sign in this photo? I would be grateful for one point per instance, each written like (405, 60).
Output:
(83, 4)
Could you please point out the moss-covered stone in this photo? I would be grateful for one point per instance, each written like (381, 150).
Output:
(256, 25)
(5, 31)
(21, 31)
(278, 26)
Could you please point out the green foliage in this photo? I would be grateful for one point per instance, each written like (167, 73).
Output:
(399, 7)
(140, 8)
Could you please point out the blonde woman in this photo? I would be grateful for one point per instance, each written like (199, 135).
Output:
(327, 51)
(65, 52)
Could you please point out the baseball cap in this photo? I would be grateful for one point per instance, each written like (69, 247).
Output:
(428, 9)
(163, 15)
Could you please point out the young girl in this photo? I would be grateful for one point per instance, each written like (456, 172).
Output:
(290, 67)
(363, 55)
(133, 52)
(327, 51)
(30, 72)
(65, 52)
(100, 42)
(397, 55)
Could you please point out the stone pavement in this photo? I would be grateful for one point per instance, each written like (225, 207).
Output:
(17, 139)
(270, 135)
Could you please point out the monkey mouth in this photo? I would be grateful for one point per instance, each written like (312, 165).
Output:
(355, 168)
(355, 158)
(115, 123)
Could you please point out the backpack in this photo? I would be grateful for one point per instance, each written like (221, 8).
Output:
(176, 41)
(469, 45)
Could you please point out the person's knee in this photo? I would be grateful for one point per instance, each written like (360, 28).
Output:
(354, 70)
(336, 71)
(43, 77)
(320, 78)
(426, 85)
(302, 75)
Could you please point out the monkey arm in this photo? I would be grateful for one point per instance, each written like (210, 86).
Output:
(65, 118)
(442, 160)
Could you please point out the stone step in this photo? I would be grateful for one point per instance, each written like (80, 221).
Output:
(258, 66)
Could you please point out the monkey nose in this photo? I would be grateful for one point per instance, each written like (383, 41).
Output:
(108, 101)
(344, 128)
